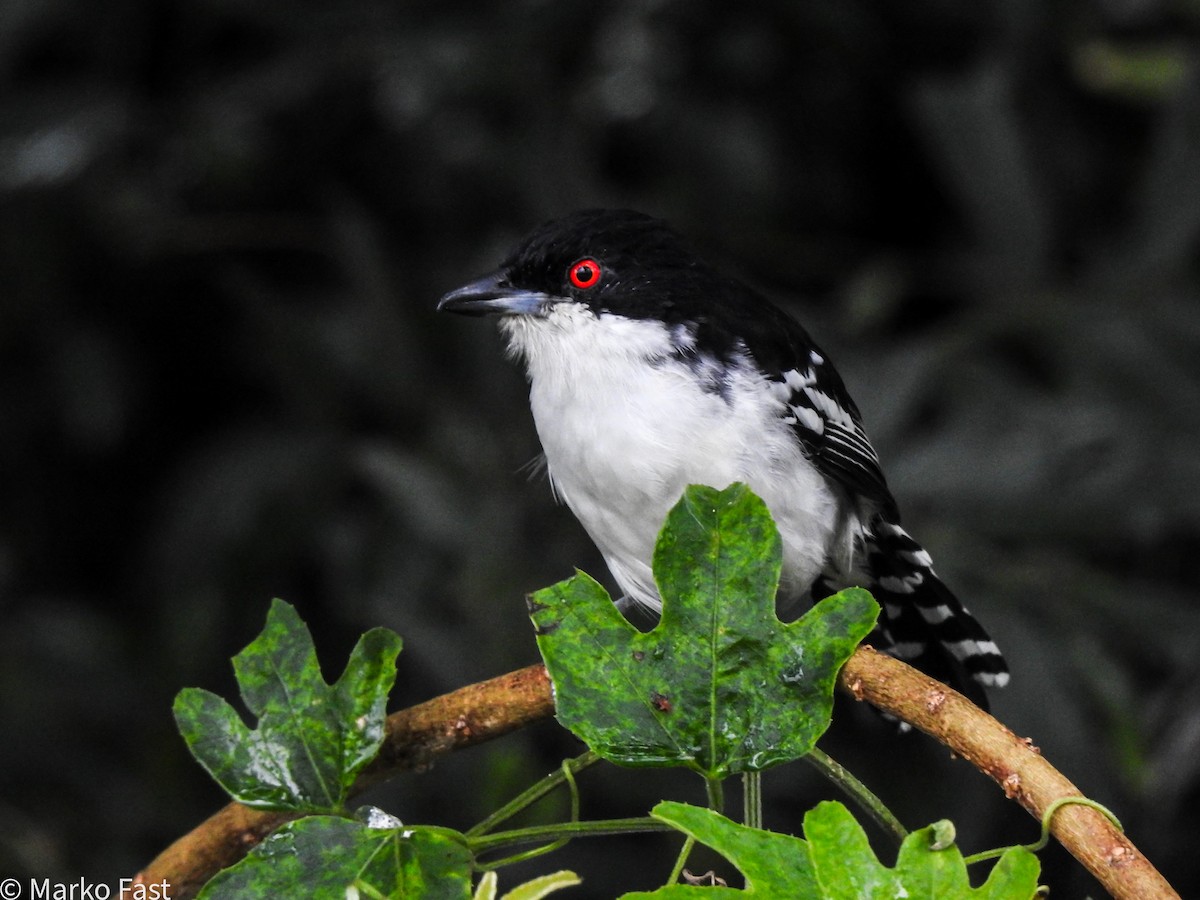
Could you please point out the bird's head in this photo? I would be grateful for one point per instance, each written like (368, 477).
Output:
(603, 261)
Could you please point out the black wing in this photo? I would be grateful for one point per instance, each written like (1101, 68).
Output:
(821, 411)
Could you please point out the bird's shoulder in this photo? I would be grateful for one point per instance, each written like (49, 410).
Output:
(736, 320)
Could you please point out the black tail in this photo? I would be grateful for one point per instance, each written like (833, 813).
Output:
(922, 622)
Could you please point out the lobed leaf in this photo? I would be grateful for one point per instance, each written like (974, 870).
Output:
(311, 739)
(720, 685)
(834, 861)
(332, 858)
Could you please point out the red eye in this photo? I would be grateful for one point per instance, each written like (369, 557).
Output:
(585, 273)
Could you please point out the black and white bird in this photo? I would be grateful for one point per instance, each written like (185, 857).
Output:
(650, 371)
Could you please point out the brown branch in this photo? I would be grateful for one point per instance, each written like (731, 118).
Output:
(415, 737)
(480, 712)
(1012, 762)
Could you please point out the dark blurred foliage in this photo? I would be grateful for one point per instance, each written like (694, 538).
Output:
(223, 230)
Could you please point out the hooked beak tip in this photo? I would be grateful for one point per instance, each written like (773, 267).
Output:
(491, 296)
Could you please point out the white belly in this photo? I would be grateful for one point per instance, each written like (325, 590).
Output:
(623, 439)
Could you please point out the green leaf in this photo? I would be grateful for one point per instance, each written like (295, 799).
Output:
(1012, 876)
(312, 739)
(835, 862)
(926, 866)
(774, 865)
(846, 866)
(322, 857)
(720, 685)
(535, 889)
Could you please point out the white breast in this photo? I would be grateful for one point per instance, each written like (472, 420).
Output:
(626, 426)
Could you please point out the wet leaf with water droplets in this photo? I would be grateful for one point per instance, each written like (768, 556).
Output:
(720, 685)
(312, 739)
(326, 856)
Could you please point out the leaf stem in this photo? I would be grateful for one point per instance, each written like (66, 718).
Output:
(681, 860)
(536, 792)
(752, 815)
(716, 793)
(716, 802)
(569, 776)
(567, 830)
(857, 791)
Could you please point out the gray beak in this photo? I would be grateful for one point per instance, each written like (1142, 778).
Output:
(490, 296)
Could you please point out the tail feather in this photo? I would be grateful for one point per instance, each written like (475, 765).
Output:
(922, 622)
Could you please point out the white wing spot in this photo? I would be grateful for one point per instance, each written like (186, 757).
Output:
(798, 382)
(809, 419)
(917, 557)
(780, 390)
(827, 405)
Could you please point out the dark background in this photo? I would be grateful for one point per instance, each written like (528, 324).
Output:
(224, 227)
